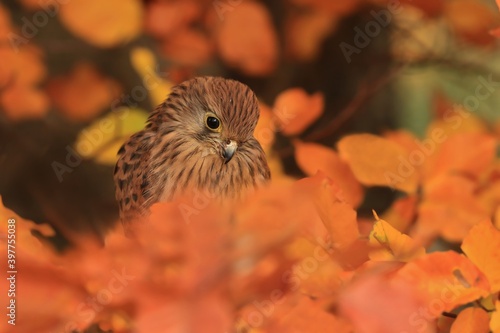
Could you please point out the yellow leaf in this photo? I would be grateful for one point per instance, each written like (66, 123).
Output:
(482, 247)
(145, 64)
(392, 244)
(102, 139)
(471, 320)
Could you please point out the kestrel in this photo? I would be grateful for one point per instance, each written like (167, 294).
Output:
(200, 138)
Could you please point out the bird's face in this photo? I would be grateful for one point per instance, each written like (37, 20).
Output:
(218, 115)
(217, 138)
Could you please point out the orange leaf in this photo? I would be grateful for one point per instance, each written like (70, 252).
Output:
(482, 247)
(103, 23)
(338, 217)
(378, 161)
(308, 317)
(495, 319)
(21, 98)
(37, 279)
(496, 218)
(468, 153)
(337, 8)
(431, 8)
(262, 236)
(471, 20)
(402, 212)
(82, 94)
(245, 36)
(188, 47)
(202, 314)
(312, 157)
(376, 303)
(405, 139)
(265, 129)
(471, 320)
(295, 110)
(306, 32)
(445, 280)
(165, 18)
(5, 23)
(318, 273)
(449, 209)
(495, 32)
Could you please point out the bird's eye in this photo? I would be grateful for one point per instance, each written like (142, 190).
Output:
(213, 123)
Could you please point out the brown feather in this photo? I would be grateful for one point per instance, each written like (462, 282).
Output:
(177, 151)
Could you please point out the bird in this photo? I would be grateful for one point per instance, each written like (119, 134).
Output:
(201, 138)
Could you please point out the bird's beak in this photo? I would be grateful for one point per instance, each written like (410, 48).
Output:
(229, 148)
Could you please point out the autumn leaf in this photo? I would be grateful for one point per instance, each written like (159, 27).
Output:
(312, 158)
(377, 303)
(471, 20)
(390, 244)
(449, 208)
(405, 139)
(103, 24)
(337, 8)
(496, 218)
(255, 246)
(208, 313)
(245, 37)
(495, 319)
(83, 93)
(315, 271)
(305, 33)
(306, 316)
(431, 8)
(489, 190)
(467, 153)
(144, 62)
(378, 161)
(188, 47)
(164, 18)
(104, 137)
(402, 212)
(24, 232)
(5, 23)
(338, 217)
(35, 264)
(495, 32)
(295, 110)
(471, 320)
(482, 247)
(444, 280)
(20, 96)
(265, 129)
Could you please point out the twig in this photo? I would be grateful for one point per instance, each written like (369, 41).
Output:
(365, 92)
(449, 315)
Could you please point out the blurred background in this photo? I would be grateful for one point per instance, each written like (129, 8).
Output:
(77, 77)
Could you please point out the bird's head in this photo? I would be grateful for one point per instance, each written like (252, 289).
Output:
(218, 114)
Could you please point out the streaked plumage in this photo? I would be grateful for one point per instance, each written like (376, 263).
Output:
(179, 151)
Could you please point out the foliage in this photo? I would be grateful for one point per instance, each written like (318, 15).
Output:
(293, 256)
(296, 256)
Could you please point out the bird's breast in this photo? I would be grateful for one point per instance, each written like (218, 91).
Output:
(208, 173)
